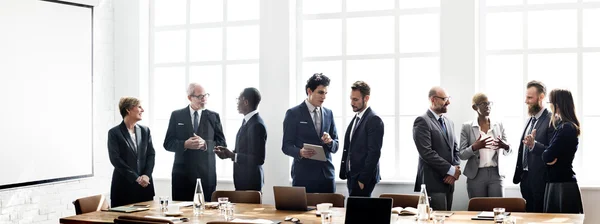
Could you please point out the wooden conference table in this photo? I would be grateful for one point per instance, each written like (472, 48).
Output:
(263, 211)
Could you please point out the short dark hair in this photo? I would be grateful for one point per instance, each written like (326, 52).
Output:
(541, 88)
(362, 87)
(315, 81)
(253, 96)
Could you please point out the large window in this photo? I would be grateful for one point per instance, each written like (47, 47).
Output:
(554, 41)
(393, 45)
(214, 43)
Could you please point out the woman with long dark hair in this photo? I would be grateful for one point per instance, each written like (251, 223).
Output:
(562, 192)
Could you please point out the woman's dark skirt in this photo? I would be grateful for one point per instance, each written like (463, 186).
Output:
(563, 197)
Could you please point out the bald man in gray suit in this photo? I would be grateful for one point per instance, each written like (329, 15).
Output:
(434, 137)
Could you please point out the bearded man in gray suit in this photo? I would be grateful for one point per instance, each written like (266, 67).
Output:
(434, 138)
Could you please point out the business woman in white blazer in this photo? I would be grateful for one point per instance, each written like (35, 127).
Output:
(481, 142)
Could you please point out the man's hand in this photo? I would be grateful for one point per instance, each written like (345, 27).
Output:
(195, 142)
(481, 143)
(219, 153)
(143, 180)
(224, 151)
(307, 153)
(361, 185)
(449, 179)
(326, 138)
(529, 140)
(499, 143)
(457, 172)
(553, 162)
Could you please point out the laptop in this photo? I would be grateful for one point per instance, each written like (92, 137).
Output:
(290, 198)
(368, 210)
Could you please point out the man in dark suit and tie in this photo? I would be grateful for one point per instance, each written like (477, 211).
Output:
(311, 123)
(362, 144)
(192, 134)
(249, 153)
(434, 137)
(531, 169)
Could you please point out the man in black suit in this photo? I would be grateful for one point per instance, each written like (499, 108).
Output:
(362, 144)
(434, 138)
(249, 153)
(531, 169)
(192, 134)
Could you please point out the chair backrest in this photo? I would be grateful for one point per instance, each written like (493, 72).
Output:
(403, 200)
(90, 204)
(130, 219)
(249, 197)
(488, 204)
(312, 199)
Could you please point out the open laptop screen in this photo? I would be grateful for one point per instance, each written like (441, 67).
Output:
(368, 210)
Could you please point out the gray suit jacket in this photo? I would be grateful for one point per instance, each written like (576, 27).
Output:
(437, 152)
(468, 136)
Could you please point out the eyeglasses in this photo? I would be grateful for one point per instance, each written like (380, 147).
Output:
(445, 99)
(292, 219)
(201, 96)
(486, 104)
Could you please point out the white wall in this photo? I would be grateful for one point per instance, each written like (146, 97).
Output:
(47, 203)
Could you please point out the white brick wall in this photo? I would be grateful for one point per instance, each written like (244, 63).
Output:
(48, 202)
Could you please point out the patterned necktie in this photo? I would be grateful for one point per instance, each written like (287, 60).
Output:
(317, 116)
(195, 122)
(526, 151)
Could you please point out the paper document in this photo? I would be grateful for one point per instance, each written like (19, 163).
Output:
(319, 155)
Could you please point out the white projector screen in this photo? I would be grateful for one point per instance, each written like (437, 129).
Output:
(45, 92)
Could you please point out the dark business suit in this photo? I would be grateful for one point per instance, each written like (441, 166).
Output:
(437, 153)
(298, 128)
(533, 181)
(190, 164)
(363, 152)
(130, 161)
(562, 193)
(250, 152)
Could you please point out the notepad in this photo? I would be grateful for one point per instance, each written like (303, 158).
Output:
(320, 153)
(405, 211)
(487, 216)
(127, 209)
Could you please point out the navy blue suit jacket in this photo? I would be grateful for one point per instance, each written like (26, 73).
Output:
(364, 150)
(298, 128)
(536, 167)
(250, 149)
(563, 147)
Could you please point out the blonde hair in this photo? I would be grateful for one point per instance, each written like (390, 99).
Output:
(127, 103)
(479, 98)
